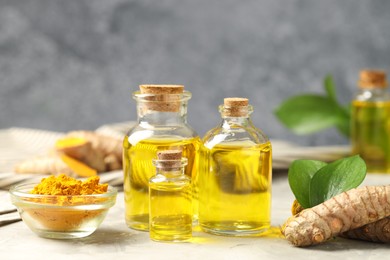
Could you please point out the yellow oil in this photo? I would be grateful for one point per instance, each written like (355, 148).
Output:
(138, 169)
(170, 210)
(370, 134)
(235, 194)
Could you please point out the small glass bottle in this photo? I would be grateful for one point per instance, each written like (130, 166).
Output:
(170, 199)
(370, 126)
(235, 174)
(162, 125)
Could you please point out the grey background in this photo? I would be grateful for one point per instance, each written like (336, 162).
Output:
(73, 64)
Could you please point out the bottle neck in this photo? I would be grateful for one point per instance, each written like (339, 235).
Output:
(373, 94)
(162, 118)
(235, 115)
(162, 109)
(170, 173)
(154, 116)
(229, 122)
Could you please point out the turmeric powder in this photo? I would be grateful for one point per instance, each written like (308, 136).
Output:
(67, 191)
(65, 185)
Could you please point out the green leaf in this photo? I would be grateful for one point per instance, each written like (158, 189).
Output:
(308, 113)
(343, 124)
(330, 88)
(300, 174)
(335, 178)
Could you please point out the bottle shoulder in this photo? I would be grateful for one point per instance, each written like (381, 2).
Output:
(141, 132)
(240, 135)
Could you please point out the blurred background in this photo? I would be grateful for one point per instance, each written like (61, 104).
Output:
(67, 65)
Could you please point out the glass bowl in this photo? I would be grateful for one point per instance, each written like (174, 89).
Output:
(62, 216)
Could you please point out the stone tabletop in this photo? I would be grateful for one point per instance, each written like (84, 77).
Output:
(113, 240)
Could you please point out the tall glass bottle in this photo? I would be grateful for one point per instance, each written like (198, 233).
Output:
(235, 174)
(162, 125)
(370, 127)
(170, 199)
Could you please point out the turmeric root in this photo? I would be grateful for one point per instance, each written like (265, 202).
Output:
(44, 165)
(81, 153)
(79, 168)
(348, 210)
(112, 162)
(81, 150)
(55, 165)
(378, 231)
(296, 208)
(109, 146)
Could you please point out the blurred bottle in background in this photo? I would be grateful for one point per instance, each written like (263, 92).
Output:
(370, 126)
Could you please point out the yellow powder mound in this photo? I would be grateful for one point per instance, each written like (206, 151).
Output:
(65, 185)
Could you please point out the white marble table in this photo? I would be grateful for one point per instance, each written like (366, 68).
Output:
(113, 240)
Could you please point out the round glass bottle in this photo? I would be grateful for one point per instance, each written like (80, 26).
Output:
(170, 199)
(235, 174)
(162, 125)
(370, 121)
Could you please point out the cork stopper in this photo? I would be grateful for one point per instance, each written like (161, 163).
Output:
(163, 98)
(161, 89)
(235, 107)
(169, 159)
(372, 78)
(170, 155)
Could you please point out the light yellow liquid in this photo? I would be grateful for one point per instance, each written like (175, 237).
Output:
(235, 194)
(370, 134)
(170, 210)
(138, 169)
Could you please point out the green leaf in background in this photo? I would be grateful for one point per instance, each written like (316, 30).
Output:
(335, 178)
(306, 114)
(300, 175)
(330, 88)
(343, 114)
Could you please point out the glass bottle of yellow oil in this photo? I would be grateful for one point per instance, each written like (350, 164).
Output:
(235, 174)
(170, 199)
(162, 125)
(370, 127)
